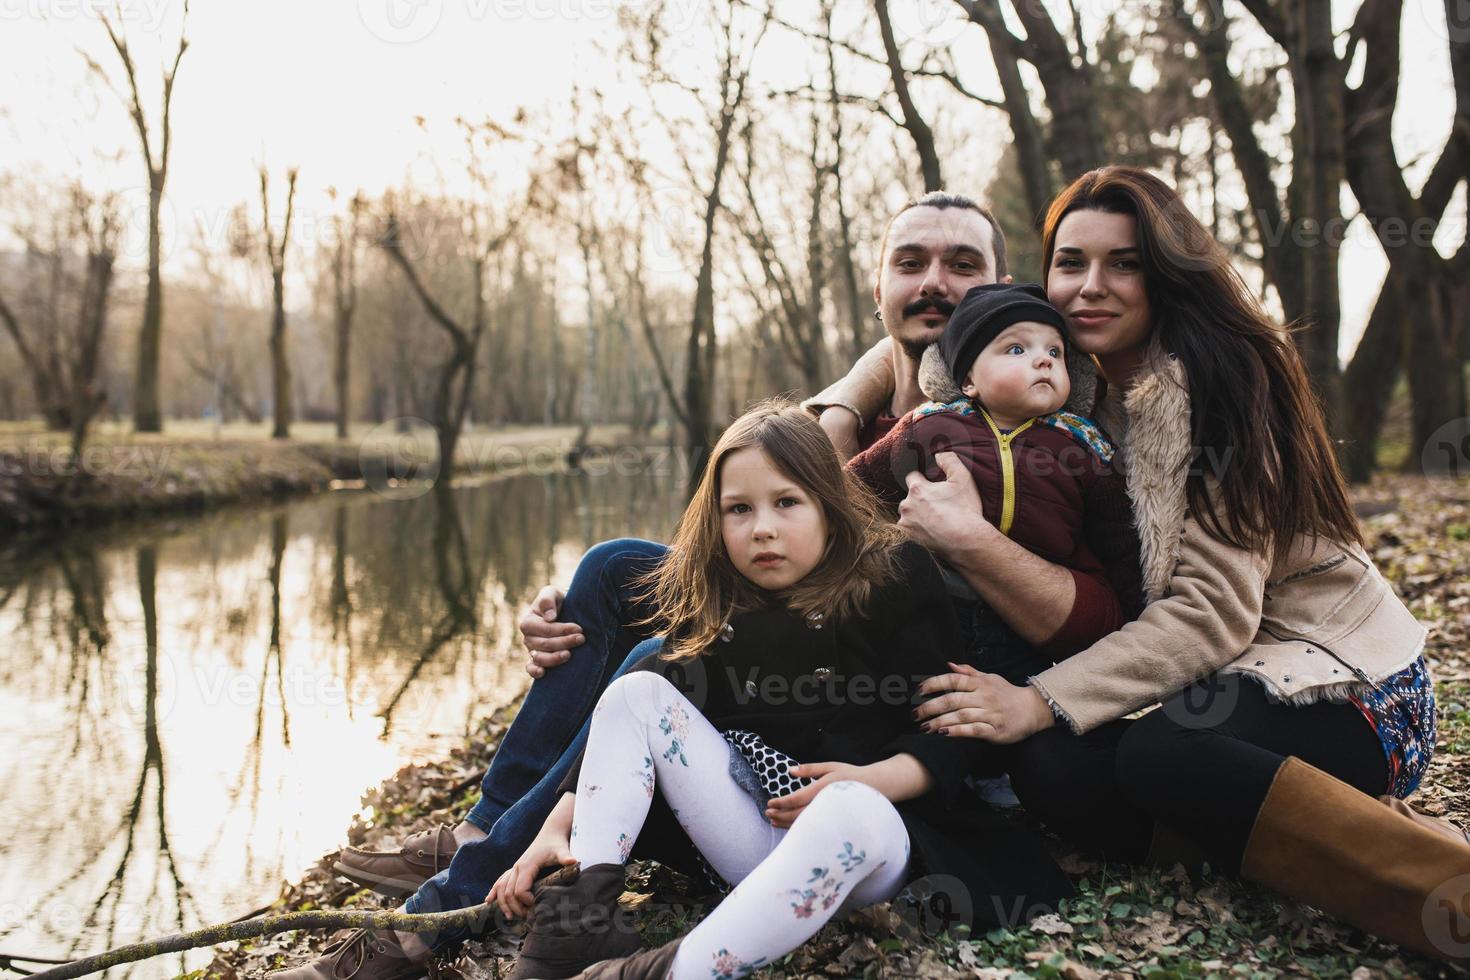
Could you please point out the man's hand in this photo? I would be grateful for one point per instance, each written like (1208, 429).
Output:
(945, 515)
(512, 891)
(983, 706)
(550, 643)
(841, 426)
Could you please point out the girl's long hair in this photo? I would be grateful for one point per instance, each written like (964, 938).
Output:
(696, 589)
(1257, 423)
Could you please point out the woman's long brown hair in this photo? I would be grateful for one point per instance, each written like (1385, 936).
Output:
(696, 589)
(1257, 423)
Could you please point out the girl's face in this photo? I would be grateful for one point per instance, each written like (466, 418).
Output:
(1096, 280)
(774, 531)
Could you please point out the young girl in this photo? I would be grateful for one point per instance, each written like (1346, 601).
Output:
(801, 624)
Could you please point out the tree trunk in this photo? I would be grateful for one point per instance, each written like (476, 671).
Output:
(913, 122)
(1319, 88)
(147, 416)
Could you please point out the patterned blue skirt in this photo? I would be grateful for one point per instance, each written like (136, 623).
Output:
(1401, 710)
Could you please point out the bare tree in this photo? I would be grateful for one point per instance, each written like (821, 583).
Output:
(62, 345)
(147, 416)
(344, 302)
(275, 254)
(736, 48)
(486, 236)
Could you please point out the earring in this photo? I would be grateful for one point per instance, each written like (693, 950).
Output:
(878, 315)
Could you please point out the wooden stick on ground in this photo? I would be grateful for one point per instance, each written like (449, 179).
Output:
(268, 926)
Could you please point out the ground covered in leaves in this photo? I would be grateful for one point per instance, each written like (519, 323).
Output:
(1124, 921)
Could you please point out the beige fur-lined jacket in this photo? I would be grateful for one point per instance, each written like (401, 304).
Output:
(1322, 624)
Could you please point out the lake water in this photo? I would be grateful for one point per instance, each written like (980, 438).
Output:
(191, 709)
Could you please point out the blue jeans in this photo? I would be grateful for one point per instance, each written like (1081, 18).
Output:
(549, 732)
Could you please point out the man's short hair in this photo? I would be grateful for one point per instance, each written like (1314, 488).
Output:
(944, 200)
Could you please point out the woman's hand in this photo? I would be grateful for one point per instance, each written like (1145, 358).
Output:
(782, 811)
(945, 515)
(983, 706)
(900, 777)
(512, 892)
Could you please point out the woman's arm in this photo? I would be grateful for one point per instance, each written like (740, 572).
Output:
(1211, 613)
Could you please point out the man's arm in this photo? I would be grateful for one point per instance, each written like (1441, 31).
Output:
(1038, 599)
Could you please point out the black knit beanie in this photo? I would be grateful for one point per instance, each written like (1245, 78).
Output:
(984, 313)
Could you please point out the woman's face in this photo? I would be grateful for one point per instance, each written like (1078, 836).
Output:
(1096, 279)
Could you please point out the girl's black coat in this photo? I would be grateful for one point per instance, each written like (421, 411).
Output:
(824, 691)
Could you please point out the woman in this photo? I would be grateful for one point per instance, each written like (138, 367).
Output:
(1292, 680)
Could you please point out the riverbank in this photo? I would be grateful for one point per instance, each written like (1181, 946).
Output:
(1123, 922)
(195, 466)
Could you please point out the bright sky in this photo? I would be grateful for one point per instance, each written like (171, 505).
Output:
(336, 88)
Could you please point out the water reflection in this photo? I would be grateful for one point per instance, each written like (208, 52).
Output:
(190, 711)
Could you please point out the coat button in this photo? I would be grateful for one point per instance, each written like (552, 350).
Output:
(822, 673)
(727, 633)
(814, 620)
(1260, 663)
(1286, 679)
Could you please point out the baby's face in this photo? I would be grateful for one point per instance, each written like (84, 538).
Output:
(1020, 374)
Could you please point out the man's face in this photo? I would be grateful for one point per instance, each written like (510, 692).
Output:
(933, 257)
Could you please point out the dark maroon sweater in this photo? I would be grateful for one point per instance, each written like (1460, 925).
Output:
(1067, 504)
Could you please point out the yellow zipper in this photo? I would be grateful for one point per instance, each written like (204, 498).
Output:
(1007, 470)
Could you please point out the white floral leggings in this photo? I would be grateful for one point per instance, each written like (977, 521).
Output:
(847, 849)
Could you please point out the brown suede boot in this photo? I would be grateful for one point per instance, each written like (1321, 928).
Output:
(364, 954)
(574, 923)
(650, 964)
(1321, 841)
(399, 872)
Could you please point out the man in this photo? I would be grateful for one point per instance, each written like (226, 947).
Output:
(933, 250)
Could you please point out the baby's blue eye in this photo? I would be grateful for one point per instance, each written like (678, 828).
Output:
(1055, 352)
(1015, 349)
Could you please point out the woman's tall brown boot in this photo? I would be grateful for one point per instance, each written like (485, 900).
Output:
(575, 923)
(1321, 841)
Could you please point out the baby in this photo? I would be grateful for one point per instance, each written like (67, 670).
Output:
(1000, 383)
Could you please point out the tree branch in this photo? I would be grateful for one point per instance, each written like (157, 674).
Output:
(267, 926)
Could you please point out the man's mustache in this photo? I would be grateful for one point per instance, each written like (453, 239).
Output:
(927, 304)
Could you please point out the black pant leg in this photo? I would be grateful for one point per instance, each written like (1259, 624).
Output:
(1203, 762)
(1069, 782)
